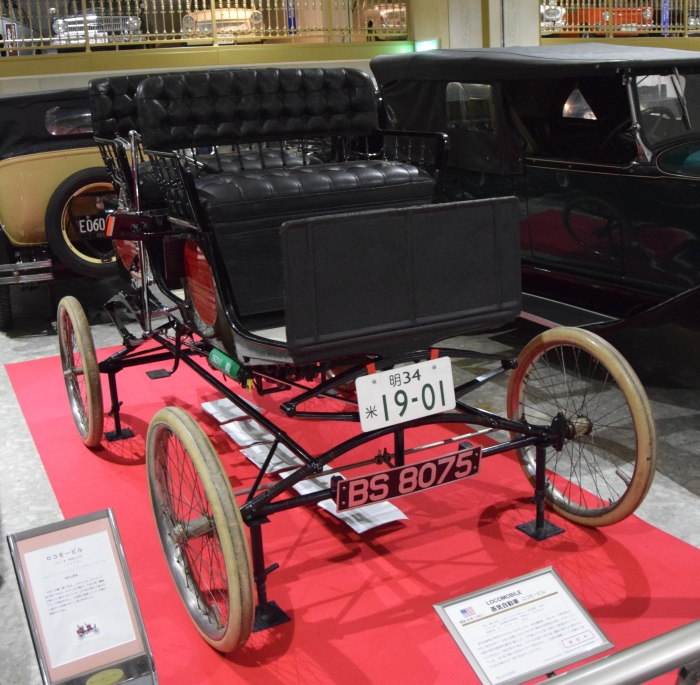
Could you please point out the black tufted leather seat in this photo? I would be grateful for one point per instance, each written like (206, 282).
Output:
(220, 107)
(245, 208)
(229, 199)
(114, 113)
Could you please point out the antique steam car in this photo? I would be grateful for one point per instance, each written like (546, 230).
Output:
(273, 234)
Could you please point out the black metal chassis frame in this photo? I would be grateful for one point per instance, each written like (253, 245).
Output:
(181, 347)
(261, 501)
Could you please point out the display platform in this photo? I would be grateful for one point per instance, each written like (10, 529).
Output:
(362, 605)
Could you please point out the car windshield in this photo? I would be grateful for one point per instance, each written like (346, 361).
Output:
(669, 106)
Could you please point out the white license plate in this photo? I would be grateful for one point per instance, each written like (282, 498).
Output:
(410, 392)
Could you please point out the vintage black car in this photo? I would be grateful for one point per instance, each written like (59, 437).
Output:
(600, 143)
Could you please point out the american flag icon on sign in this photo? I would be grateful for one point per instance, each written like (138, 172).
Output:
(467, 612)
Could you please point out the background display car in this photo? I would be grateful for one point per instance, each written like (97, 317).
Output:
(15, 30)
(552, 18)
(51, 176)
(625, 21)
(233, 25)
(105, 22)
(601, 144)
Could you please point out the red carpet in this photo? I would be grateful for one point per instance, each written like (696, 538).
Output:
(361, 605)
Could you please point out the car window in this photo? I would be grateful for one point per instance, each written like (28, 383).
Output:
(61, 121)
(576, 107)
(470, 106)
(682, 159)
(669, 106)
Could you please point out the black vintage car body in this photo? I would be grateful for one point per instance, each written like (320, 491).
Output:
(600, 143)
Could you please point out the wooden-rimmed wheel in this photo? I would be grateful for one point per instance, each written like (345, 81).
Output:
(80, 370)
(200, 529)
(607, 463)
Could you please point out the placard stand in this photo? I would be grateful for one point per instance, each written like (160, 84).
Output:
(521, 629)
(80, 603)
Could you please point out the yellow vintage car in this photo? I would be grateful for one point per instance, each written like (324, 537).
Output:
(51, 176)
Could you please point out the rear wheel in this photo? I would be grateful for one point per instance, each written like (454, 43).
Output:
(607, 464)
(75, 225)
(200, 528)
(81, 372)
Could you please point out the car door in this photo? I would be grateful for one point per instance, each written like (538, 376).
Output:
(576, 183)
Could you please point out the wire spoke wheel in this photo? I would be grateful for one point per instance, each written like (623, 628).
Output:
(80, 370)
(200, 529)
(607, 464)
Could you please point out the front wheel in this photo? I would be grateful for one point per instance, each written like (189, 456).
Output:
(607, 464)
(81, 372)
(200, 528)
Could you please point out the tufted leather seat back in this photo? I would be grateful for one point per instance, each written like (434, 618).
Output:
(242, 105)
(112, 105)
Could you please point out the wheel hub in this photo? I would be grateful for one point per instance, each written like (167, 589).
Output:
(581, 425)
(183, 531)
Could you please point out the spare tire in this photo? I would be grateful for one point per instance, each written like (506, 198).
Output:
(75, 225)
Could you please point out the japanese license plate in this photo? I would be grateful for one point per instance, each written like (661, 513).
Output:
(409, 392)
(91, 226)
(405, 480)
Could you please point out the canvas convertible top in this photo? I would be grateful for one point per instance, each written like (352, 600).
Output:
(23, 129)
(542, 61)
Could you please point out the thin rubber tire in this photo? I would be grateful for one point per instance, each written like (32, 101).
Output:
(80, 370)
(608, 461)
(200, 529)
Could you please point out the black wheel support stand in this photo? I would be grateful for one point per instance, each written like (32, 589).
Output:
(118, 433)
(267, 612)
(540, 528)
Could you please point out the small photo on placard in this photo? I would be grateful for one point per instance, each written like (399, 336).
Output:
(521, 629)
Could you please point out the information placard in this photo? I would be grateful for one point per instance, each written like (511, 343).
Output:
(522, 629)
(80, 603)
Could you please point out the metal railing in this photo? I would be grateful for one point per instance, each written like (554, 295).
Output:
(642, 662)
(619, 18)
(29, 27)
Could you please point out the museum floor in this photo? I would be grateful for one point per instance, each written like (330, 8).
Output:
(27, 499)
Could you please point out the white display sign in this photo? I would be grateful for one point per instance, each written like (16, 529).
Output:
(521, 629)
(80, 603)
(79, 597)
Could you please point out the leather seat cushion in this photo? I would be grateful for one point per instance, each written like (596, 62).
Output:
(152, 195)
(247, 210)
(285, 193)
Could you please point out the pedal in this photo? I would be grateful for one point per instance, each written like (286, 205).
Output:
(158, 373)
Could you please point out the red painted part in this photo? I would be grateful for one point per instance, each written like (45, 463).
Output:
(200, 282)
(127, 251)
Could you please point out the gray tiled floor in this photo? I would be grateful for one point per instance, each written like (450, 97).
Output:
(27, 500)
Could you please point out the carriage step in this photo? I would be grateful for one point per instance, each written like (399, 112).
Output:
(158, 373)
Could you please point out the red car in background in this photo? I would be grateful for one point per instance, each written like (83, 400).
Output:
(625, 21)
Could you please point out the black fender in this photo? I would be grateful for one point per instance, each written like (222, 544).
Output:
(662, 343)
